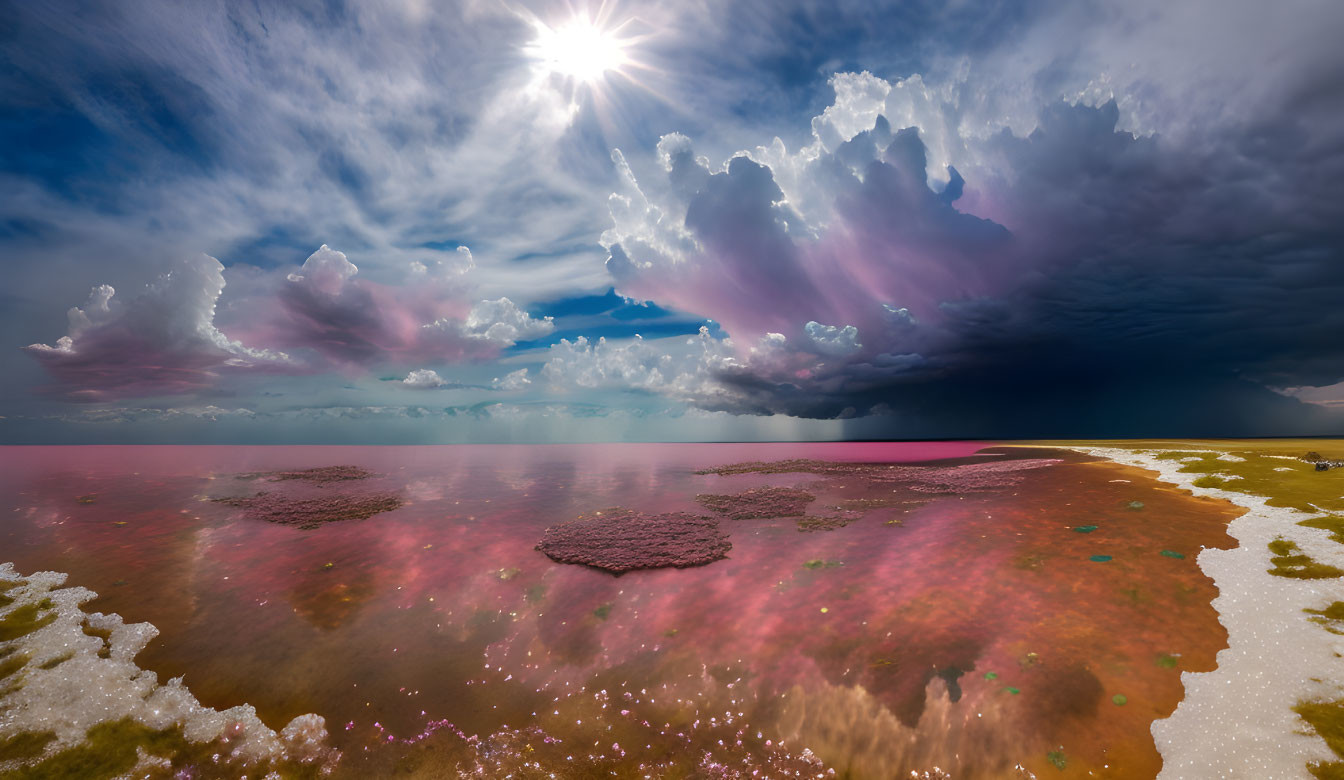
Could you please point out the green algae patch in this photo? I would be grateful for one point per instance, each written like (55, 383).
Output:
(113, 748)
(1326, 718)
(1085, 529)
(1331, 618)
(1274, 469)
(818, 563)
(1267, 471)
(1335, 525)
(1209, 482)
(26, 619)
(1100, 558)
(110, 750)
(1011, 690)
(1057, 759)
(991, 675)
(57, 661)
(1172, 554)
(602, 612)
(1289, 562)
(101, 633)
(12, 662)
(24, 745)
(1120, 700)
(1179, 454)
(1168, 661)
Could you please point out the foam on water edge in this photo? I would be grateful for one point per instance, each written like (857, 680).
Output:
(1238, 720)
(98, 682)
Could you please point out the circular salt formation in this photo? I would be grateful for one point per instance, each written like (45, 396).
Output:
(312, 512)
(620, 540)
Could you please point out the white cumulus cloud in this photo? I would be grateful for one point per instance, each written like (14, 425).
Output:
(423, 379)
(514, 380)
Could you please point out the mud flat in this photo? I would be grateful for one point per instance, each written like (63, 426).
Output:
(1279, 679)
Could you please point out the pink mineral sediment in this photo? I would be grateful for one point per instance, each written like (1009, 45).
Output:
(312, 512)
(620, 540)
(838, 518)
(320, 475)
(921, 479)
(759, 502)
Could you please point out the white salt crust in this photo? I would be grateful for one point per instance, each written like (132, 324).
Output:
(86, 690)
(1237, 721)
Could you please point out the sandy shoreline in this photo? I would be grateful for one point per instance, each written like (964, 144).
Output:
(1238, 721)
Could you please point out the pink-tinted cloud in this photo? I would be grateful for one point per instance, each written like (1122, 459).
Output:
(325, 311)
(164, 341)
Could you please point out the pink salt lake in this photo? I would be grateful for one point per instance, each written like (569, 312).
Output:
(970, 631)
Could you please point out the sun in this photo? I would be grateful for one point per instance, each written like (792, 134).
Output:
(579, 49)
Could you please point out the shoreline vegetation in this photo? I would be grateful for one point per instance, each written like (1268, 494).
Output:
(1275, 704)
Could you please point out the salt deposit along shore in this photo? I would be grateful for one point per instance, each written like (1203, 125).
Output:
(1238, 721)
(66, 671)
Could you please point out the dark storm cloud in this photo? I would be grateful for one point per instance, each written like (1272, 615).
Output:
(1131, 283)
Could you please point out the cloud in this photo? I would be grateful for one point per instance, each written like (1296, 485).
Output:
(1045, 264)
(771, 377)
(491, 422)
(423, 379)
(446, 268)
(833, 341)
(164, 341)
(325, 311)
(683, 372)
(322, 316)
(502, 322)
(130, 415)
(514, 380)
(1086, 195)
(856, 234)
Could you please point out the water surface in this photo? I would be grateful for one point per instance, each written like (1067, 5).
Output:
(1041, 625)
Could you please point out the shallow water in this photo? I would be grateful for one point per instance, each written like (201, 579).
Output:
(972, 632)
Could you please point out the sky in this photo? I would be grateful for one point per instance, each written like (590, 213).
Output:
(476, 221)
